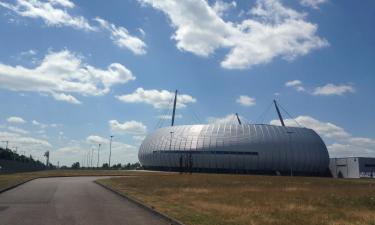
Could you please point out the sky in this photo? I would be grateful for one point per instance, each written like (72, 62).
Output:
(74, 72)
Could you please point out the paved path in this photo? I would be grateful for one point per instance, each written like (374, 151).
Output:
(69, 201)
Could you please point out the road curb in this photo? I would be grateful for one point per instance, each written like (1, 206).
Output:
(142, 205)
(16, 185)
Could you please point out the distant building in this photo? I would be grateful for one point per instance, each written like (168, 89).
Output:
(352, 167)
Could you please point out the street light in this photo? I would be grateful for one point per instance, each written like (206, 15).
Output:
(92, 156)
(97, 164)
(110, 151)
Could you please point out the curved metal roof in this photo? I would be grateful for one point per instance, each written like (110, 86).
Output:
(236, 147)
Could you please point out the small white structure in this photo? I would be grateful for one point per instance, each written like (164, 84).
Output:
(352, 167)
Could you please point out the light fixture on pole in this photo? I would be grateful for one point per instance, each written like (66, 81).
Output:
(110, 151)
(97, 164)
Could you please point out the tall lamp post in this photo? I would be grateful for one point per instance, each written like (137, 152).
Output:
(110, 151)
(97, 164)
(92, 156)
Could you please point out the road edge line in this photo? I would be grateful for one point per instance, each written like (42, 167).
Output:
(142, 205)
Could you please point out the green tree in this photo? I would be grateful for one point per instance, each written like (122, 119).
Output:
(75, 165)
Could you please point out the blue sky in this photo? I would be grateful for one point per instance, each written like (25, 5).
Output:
(74, 72)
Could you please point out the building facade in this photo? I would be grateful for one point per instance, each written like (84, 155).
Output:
(250, 148)
(352, 167)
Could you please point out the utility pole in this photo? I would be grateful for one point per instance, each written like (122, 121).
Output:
(97, 164)
(110, 151)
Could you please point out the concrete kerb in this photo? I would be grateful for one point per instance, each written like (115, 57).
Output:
(142, 205)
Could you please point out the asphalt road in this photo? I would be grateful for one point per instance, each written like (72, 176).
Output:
(69, 201)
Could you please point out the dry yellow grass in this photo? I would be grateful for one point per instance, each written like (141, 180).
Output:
(260, 200)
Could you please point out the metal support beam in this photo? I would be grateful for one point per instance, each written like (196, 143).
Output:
(174, 107)
(279, 114)
(238, 118)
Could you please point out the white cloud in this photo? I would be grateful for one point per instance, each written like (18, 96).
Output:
(30, 145)
(65, 98)
(293, 83)
(52, 12)
(129, 127)
(64, 72)
(312, 3)
(158, 99)
(122, 38)
(344, 143)
(94, 139)
(231, 118)
(220, 7)
(332, 89)
(139, 138)
(43, 125)
(17, 130)
(142, 32)
(30, 52)
(15, 119)
(296, 84)
(245, 100)
(272, 31)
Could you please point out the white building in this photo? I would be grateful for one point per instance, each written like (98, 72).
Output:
(352, 167)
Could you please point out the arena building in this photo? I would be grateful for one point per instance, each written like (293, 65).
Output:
(235, 147)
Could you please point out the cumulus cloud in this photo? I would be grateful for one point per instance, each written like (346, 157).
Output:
(65, 98)
(328, 89)
(121, 37)
(64, 72)
(293, 83)
(129, 127)
(296, 84)
(220, 7)
(245, 100)
(95, 139)
(43, 125)
(30, 145)
(332, 89)
(343, 143)
(17, 130)
(273, 30)
(52, 12)
(158, 99)
(312, 3)
(15, 119)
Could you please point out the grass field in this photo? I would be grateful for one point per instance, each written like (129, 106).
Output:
(14, 178)
(244, 199)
